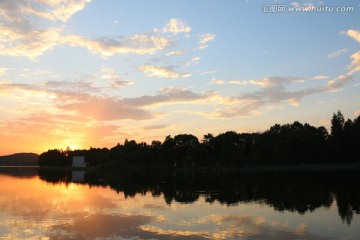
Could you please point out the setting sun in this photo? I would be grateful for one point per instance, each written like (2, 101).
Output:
(74, 147)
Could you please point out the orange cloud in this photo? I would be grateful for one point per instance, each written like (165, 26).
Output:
(102, 108)
(355, 64)
(355, 34)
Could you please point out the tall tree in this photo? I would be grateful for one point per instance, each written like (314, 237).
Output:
(337, 125)
(337, 134)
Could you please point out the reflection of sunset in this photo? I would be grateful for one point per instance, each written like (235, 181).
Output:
(33, 209)
(72, 191)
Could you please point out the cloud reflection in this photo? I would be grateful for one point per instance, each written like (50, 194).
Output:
(35, 209)
(100, 226)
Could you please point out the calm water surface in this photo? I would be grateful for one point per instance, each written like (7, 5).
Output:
(78, 205)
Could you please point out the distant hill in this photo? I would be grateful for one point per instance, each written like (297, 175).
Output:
(20, 159)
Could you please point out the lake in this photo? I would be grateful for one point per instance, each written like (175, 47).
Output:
(45, 204)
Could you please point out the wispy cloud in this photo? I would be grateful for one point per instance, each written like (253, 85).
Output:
(109, 73)
(76, 86)
(338, 53)
(217, 81)
(171, 95)
(154, 127)
(319, 77)
(205, 39)
(336, 84)
(194, 61)
(176, 26)
(116, 80)
(277, 82)
(269, 82)
(91, 103)
(119, 84)
(85, 103)
(138, 44)
(175, 53)
(162, 72)
(273, 91)
(207, 72)
(231, 82)
(105, 108)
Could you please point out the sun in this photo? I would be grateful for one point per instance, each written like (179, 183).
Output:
(74, 146)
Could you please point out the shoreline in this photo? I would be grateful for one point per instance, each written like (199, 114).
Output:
(244, 168)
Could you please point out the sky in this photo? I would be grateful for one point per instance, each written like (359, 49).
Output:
(92, 73)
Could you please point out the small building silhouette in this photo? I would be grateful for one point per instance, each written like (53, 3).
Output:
(78, 161)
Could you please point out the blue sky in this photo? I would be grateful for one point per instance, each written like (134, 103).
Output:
(92, 73)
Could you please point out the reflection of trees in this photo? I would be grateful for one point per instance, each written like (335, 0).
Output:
(347, 197)
(296, 193)
(299, 192)
(55, 176)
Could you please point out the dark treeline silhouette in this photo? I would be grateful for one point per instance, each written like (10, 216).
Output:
(299, 192)
(287, 144)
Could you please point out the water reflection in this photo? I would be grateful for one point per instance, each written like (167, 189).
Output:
(78, 175)
(138, 205)
(299, 192)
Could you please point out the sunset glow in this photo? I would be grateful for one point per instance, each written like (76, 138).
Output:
(91, 73)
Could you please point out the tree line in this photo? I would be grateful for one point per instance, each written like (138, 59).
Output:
(287, 144)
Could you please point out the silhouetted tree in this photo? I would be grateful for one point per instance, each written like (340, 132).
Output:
(156, 145)
(337, 134)
(54, 157)
(185, 145)
(168, 154)
(337, 125)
